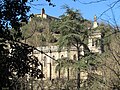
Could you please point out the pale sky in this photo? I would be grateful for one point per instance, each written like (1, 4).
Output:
(87, 10)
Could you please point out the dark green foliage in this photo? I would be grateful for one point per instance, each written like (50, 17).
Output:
(12, 14)
(72, 29)
(64, 63)
(16, 58)
(72, 33)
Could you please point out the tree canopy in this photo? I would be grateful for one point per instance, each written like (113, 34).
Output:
(16, 58)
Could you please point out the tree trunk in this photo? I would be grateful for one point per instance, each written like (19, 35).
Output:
(50, 71)
(78, 71)
(68, 55)
(59, 73)
(78, 79)
(68, 73)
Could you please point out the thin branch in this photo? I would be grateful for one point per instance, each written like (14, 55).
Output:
(36, 4)
(33, 32)
(108, 22)
(74, 44)
(112, 34)
(111, 6)
(114, 55)
(109, 67)
(42, 52)
(92, 2)
(116, 26)
(117, 74)
(118, 54)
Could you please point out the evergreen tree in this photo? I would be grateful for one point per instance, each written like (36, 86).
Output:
(73, 33)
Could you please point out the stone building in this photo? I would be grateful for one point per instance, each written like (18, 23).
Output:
(49, 64)
(44, 15)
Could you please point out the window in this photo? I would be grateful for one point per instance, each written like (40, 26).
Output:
(93, 42)
(53, 61)
(96, 43)
(74, 57)
(45, 61)
(62, 56)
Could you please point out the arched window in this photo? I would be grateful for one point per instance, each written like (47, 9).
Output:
(53, 62)
(74, 57)
(45, 61)
(93, 42)
(97, 42)
(62, 56)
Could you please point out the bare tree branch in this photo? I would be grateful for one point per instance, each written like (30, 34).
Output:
(117, 74)
(110, 7)
(115, 22)
(36, 4)
(115, 58)
(97, 1)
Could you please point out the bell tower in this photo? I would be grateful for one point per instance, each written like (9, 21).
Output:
(42, 12)
(95, 39)
(95, 24)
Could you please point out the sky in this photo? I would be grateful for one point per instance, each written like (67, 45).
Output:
(87, 10)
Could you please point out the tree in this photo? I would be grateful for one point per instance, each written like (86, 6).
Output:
(110, 59)
(37, 32)
(73, 33)
(16, 58)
